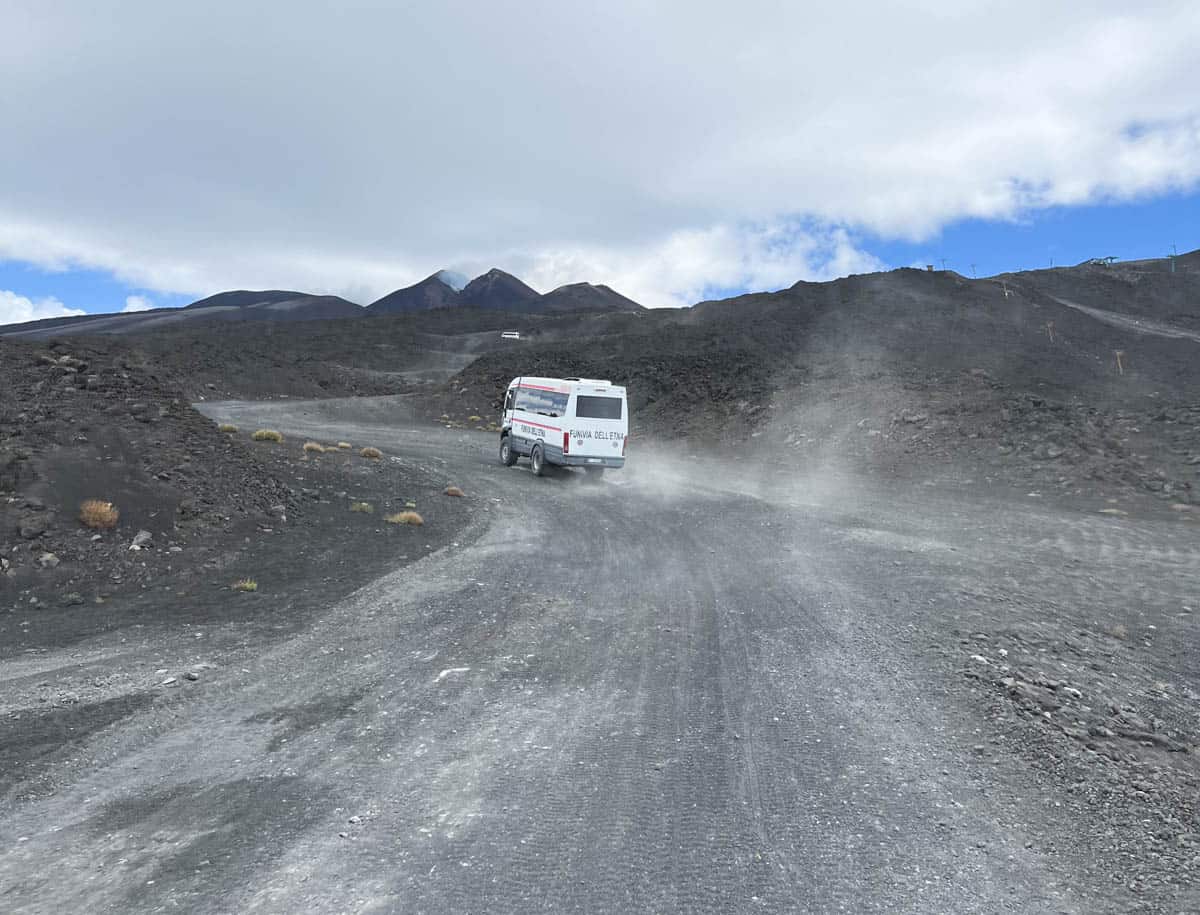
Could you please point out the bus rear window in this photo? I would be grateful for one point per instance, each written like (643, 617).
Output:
(587, 407)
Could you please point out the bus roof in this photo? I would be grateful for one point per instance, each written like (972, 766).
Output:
(566, 385)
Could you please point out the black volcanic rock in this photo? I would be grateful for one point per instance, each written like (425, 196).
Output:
(431, 292)
(586, 297)
(499, 290)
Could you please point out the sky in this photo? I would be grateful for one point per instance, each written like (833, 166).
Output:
(153, 153)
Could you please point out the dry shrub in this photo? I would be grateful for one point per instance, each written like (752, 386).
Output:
(474, 419)
(373, 454)
(363, 508)
(410, 504)
(267, 435)
(314, 448)
(345, 446)
(245, 584)
(98, 515)
(454, 491)
(1118, 631)
(405, 518)
(227, 427)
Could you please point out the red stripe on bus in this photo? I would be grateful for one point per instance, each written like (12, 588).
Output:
(539, 425)
(538, 387)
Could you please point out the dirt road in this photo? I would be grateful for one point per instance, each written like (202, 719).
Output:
(690, 688)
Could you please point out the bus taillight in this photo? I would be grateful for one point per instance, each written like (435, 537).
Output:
(566, 443)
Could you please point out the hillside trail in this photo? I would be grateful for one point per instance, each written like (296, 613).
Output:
(1128, 322)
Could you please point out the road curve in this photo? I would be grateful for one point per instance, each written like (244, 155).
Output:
(661, 693)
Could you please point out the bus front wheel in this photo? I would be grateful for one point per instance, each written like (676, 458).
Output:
(508, 456)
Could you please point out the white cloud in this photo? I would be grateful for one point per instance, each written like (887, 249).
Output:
(16, 309)
(690, 265)
(137, 303)
(671, 147)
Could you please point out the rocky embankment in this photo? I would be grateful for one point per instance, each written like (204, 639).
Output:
(81, 423)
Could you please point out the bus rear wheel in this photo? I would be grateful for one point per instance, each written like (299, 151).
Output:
(508, 456)
(536, 463)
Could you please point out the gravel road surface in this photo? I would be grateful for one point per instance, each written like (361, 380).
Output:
(691, 687)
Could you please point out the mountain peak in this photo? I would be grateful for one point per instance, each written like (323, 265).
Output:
(438, 290)
(587, 297)
(242, 298)
(500, 290)
(452, 278)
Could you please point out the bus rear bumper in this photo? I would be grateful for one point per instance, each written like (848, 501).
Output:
(572, 460)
